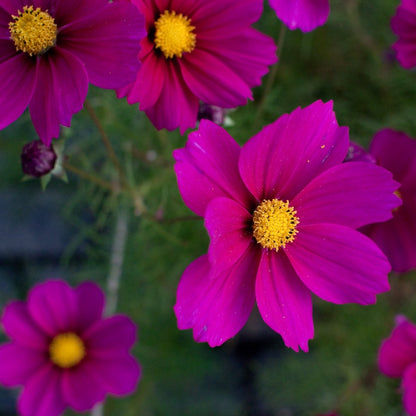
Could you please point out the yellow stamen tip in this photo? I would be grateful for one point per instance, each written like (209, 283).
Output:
(274, 224)
(174, 34)
(33, 31)
(66, 350)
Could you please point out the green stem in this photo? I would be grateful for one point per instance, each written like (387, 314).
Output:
(272, 75)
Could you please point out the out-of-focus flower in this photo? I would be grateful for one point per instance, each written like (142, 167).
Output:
(396, 152)
(63, 352)
(397, 358)
(305, 15)
(211, 112)
(281, 213)
(198, 50)
(357, 153)
(51, 50)
(37, 159)
(404, 26)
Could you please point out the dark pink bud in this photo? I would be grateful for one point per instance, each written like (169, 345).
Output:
(37, 159)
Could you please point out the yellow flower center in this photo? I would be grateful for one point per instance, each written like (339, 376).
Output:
(66, 350)
(174, 34)
(274, 224)
(33, 31)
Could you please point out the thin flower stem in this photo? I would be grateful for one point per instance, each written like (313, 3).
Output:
(272, 75)
(135, 196)
(106, 140)
(114, 275)
(90, 177)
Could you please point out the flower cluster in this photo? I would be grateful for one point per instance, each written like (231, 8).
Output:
(298, 210)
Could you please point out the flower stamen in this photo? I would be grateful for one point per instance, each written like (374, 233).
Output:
(66, 350)
(174, 34)
(33, 31)
(274, 224)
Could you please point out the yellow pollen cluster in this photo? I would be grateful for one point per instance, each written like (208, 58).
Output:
(33, 31)
(66, 350)
(174, 34)
(274, 224)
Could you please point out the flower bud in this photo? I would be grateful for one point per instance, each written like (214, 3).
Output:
(37, 159)
(211, 112)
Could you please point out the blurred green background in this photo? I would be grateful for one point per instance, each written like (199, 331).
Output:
(71, 230)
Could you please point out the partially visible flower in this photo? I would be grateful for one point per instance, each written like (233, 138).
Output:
(51, 50)
(198, 50)
(357, 153)
(211, 112)
(403, 25)
(397, 358)
(396, 152)
(305, 15)
(63, 352)
(37, 159)
(281, 213)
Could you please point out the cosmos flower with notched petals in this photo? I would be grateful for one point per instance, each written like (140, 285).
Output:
(198, 50)
(63, 352)
(50, 50)
(281, 213)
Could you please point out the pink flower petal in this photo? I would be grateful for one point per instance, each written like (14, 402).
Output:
(107, 43)
(42, 395)
(365, 196)
(207, 168)
(338, 264)
(248, 55)
(403, 25)
(20, 72)
(395, 151)
(284, 302)
(222, 87)
(90, 304)
(396, 238)
(18, 363)
(82, 387)
(120, 374)
(110, 336)
(299, 146)
(216, 308)
(61, 88)
(398, 351)
(12, 6)
(19, 326)
(229, 228)
(65, 12)
(176, 106)
(210, 18)
(147, 93)
(409, 387)
(53, 306)
(305, 15)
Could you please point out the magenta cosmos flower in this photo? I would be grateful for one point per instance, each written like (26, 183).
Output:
(404, 26)
(305, 15)
(63, 352)
(198, 50)
(51, 49)
(397, 358)
(396, 152)
(281, 213)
